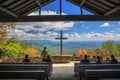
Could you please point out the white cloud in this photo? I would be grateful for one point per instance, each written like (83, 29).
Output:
(48, 25)
(45, 12)
(51, 35)
(43, 30)
(93, 36)
(106, 24)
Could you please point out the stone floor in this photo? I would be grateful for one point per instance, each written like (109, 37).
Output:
(63, 71)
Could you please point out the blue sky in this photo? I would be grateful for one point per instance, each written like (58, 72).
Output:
(81, 31)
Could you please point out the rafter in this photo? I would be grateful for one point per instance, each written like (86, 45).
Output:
(43, 4)
(112, 11)
(7, 11)
(82, 2)
(38, 3)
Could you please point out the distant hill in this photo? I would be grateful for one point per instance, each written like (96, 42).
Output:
(69, 47)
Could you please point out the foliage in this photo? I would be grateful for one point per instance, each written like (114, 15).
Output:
(81, 52)
(111, 47)
(3, 30)
(31, 52)
(98, 51)
(91, 51)
(13, 47)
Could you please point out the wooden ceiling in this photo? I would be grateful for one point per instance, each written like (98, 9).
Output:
(99, 7)
(17, 10)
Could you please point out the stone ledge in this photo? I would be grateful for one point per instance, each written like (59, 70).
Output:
(61, 59)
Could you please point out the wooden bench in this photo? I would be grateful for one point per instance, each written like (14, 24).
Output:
(47, 63)
(76, 67)
(39, 74)
(26, 67)
(80, 69)
(96, 74)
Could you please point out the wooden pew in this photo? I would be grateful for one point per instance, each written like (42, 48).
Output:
(47, 63)
(80, 69)
(96, 74)
(76, 67)
(26, 67)
(32, 74)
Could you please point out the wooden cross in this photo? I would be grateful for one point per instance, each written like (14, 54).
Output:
(61, 40)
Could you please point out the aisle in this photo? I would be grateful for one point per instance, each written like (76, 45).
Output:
(63, 71)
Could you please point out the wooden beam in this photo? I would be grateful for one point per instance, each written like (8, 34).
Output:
(87, 8)
(53, 18)
(43, 4)
(82, 2)
(112, 10)
(7, 11)
(38, 3)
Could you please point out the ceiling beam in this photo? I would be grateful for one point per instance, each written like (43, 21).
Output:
(43, 4)
(7, 11)
(112, 11)
(38, 3)
(53, 18)
(82, 2)
(85, 7)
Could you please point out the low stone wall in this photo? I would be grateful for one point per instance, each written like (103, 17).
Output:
(32, 59)
(55, 59)
(75, 58)
(61, 59)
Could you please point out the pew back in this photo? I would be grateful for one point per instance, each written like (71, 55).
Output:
(80, 68)
(47, 67)
(91, 74)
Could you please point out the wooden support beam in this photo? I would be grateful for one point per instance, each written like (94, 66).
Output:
(38, 3)
(82, 2)
(53, 18)
(112, 10)
(8, 12)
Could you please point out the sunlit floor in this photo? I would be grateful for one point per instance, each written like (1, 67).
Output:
(63, 71)
(59, 75)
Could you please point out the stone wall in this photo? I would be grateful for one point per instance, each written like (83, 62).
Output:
(75, 58)
(61, 59)
(32, 59)
(55, 59)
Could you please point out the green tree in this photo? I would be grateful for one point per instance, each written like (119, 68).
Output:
(98, 51)
(11, 47)
(111, 48)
